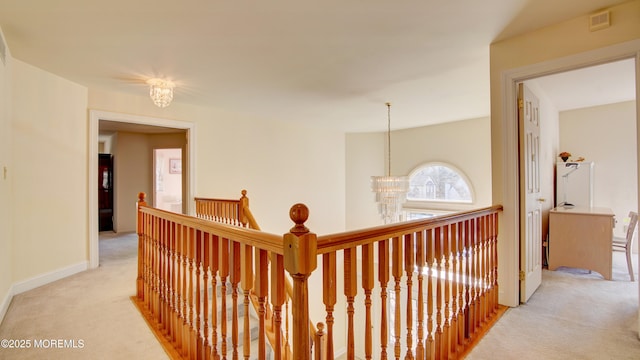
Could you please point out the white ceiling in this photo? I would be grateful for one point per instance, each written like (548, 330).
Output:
(330, 63)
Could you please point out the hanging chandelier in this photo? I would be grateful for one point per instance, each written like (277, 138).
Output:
(391, 191)
(161, 91)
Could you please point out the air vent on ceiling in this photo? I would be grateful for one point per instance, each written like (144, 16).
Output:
(599, 20)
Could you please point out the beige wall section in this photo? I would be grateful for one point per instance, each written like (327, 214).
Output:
(6, 222)
(464, 144)
(49, 177)
(364, 158)
(526, 54)
(131, 163)
(133, 172)
(606, 135)
(278, 163)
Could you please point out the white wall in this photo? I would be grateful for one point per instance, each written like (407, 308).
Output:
(606, 135)
(6, 223)
(553, 48)
(49, 177)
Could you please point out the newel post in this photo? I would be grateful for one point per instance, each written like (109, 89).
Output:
(244, 204)
(140, 229)
(300, 252)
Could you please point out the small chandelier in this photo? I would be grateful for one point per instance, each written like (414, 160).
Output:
(391, 191)
(161, 91)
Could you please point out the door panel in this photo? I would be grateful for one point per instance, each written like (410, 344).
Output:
(530, 194)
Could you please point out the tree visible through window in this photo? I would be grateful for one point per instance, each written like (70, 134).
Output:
(437, 182)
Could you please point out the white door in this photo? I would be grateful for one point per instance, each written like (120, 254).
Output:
(530, 199)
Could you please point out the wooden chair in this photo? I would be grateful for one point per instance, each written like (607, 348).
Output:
(624, 244)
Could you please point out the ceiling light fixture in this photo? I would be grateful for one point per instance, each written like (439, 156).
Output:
(161, 91)
(391, 191)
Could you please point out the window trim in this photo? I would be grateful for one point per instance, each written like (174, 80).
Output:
(446, 205)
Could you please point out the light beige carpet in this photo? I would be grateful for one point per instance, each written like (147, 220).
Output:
(93, 306)
(573, 315)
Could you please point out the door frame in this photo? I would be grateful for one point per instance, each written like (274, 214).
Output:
(94, 119)
(510, 229)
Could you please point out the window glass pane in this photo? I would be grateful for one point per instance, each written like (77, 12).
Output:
(438, 183)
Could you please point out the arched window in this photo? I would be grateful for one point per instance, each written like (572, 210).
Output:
(437, 182)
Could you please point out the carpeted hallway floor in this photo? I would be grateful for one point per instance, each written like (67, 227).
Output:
(573, 315)
(93, 306)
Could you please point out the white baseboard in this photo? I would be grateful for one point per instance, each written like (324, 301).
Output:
(37, 281)
(4, 306)
(49, 277)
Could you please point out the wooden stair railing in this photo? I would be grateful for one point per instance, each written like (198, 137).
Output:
(238, 212)
(452, 259)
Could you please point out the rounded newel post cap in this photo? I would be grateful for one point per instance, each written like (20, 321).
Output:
(299, 213)
(244, 193)
(141, 196)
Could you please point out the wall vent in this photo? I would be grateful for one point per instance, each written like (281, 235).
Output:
(599, 20)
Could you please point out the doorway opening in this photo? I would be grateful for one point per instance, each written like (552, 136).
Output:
(510, 140)
(167, 182)
(132, 125)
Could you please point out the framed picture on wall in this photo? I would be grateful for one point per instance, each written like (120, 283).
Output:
(175, 166)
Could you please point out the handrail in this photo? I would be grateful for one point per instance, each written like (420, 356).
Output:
(354, 238)
(438, 277)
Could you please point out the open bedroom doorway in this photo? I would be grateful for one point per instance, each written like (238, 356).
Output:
(167, 182)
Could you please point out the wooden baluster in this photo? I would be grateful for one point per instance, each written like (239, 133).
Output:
(409, 261)
(152, 269)
(166, 276)
(278, 293)
(140, 230)
(321, 343)
(166, 273)
(191, 257)
(235, 268)
(223, 263)
(198, 242)
(383, 278)
(468, 280)
(472, 278)
(262, 291)
(396, 269)
(367, 286)
(350, 292)
(185, 292)
(215, 266)
(246, 258)
(206, 265)
(461, 285)
(420, 262)
(300, 260)
(477, 277)
(178, 285)
(495, 261)
(329, 296)
(446, 239)
(437, 238)
(429, 247)
(455, 282)
(172, 281)
(485, 269)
